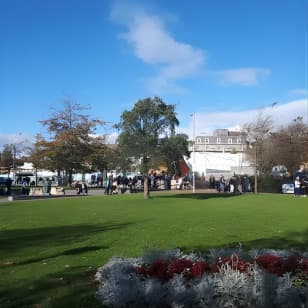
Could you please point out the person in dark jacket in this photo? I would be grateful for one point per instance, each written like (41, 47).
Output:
(8, 184)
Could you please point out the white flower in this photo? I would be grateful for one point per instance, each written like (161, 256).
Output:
(120, 285)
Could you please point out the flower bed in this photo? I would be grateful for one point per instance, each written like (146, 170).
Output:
(223, 278)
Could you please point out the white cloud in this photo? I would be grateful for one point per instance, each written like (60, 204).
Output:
(282, 115)
(112, 138)
(17, 139)
(248, 76)
(299, 92)
(154, 45)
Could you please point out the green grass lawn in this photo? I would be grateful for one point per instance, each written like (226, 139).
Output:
(50, 249)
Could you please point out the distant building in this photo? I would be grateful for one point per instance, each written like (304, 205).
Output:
(222, 140)
(222, 153)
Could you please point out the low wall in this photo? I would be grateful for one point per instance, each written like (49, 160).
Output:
(39, 191)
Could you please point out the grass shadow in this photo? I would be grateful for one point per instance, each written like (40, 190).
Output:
(198, 196)
(18, 239)
(73, 287)
(69, 252)
(291, 240)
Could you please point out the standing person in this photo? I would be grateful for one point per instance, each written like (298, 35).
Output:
(297, 186)
(78, 188)
(84, 188)
(8, 184)
(23, 187)
(114, 186)
(232, 185)
(134, 183)
(304, 185)
(203, 180)
(48, 186)
(222, 184)
(246, 187)
(107, 185)
(45, 186)
(212, 181)
(168, 181)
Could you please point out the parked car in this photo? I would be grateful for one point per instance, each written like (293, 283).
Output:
(280, 171)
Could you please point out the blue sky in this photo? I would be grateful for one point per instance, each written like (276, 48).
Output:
(224, 60)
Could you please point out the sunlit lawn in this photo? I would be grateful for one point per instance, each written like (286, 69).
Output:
(51, 248)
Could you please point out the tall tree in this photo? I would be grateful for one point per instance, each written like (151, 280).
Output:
(7, 158)
(289, 145)
(11, 157)
(257, 132)
(71, 141)
(142, 129)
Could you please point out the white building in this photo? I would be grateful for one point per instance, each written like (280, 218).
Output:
(223, 153)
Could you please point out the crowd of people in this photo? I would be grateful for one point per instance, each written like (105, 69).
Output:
(234, 184)
(164, 181)
(114, 184)
(301, 185)
(156, 181)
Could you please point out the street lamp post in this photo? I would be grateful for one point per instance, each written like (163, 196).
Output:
(14, 159)
(194, 158)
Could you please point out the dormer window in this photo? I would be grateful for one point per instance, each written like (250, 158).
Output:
(239, 140)
(198, 140)
(230, 140)
(207, 141)
(218, 141)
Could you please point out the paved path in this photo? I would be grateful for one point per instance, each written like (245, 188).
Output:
(97, 192)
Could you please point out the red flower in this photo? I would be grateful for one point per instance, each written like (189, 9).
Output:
(303, 265)
(199, 268)
(268, 262)
(178, 266)
(289, 265)
(235, 262)
(165, 270)
(278, 265)
(159, 269)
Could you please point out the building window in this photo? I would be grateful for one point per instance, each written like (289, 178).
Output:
(207, 141)
(198, 140)
(230, 140)
(239, 141)
(218, 140)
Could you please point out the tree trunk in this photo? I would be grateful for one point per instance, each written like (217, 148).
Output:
(146, 192)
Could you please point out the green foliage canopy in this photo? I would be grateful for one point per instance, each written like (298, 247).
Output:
(72, 144)
(148, 133)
